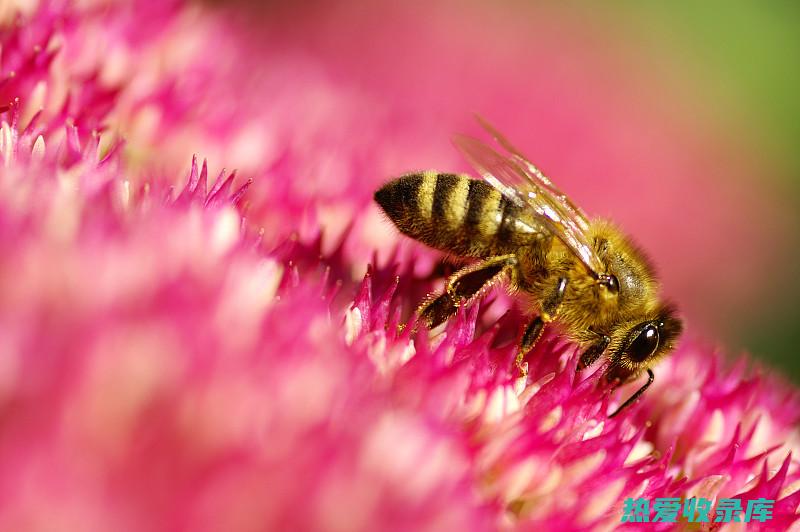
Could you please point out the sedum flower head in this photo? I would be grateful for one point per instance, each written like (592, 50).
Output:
(185, 353)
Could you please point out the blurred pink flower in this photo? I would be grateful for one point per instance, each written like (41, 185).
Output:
(181, 353)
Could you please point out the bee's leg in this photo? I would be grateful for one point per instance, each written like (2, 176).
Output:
(435, 310)
(465, 286)
(593, 352)
(533, 331)
(529, 337)
(472, 282)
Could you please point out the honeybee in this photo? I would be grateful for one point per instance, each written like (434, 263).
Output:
(522, 231)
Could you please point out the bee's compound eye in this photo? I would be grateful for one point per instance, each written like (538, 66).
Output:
(644, 344)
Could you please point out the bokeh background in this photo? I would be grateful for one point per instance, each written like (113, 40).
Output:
(680, 121)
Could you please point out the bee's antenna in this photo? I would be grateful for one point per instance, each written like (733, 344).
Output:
(635, 396)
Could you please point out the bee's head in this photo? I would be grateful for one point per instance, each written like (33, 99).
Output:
(639, 344)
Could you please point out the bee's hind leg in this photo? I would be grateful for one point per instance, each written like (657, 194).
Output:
(465, 286)
(533, 331)
(436, 309)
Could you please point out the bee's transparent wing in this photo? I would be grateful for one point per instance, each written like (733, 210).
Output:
(533, 176)
(509, 174)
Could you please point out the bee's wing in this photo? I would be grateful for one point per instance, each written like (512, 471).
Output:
(533, 176)
(510, 175)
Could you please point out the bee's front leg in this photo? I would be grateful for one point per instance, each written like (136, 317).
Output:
(465, 286)
(593, 352)
(533, 331)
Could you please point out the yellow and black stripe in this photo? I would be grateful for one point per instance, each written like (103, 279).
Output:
(451, 212)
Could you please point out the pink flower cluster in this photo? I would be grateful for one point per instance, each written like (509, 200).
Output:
(188, 353)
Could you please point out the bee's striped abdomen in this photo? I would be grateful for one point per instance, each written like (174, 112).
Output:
(467, 217)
